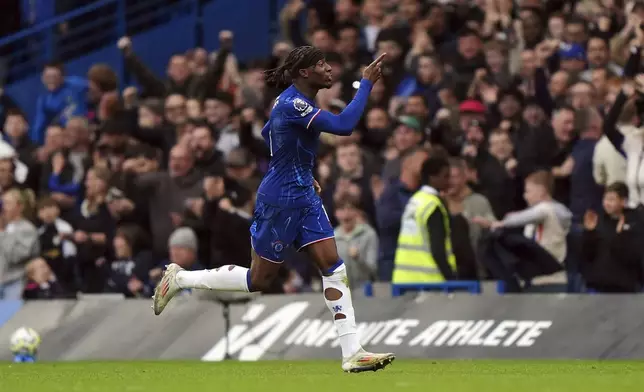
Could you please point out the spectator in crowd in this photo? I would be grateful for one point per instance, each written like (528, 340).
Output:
(378, 130)
(546, 221)
(41, 282)
(632, 144)
(56, 247)
(599, 59)
(78, 144)
(497, 174)
(65, 98)
(207, 157)
(54, 141)
(180, 80)
(129, 272)
(585, 193)
(94, 230)
(350, 167)
(15, 132)
(7, 176)
(167, 193)
(182, 248)
(612, 247)
(609, 166)
(462, 200)
(18, 244)
(102, 83)
(218, 110)
(407, 135)
(19, 172)
(241, 167)
(357, 242)
(70, 189)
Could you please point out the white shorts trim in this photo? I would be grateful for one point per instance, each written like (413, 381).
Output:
(272, 261)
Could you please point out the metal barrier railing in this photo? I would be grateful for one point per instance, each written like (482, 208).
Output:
(87, 28)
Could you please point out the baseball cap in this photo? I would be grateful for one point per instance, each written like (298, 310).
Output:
(572, 52)
(471, 106)
(410, 121)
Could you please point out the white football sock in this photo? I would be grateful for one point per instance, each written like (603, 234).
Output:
(225, 278)
(342, 306)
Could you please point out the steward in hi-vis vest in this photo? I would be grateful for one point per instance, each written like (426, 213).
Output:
(424, 253)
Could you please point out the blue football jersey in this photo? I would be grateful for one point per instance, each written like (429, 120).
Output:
(293, 142)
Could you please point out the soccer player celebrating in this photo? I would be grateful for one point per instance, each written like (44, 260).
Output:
(289, 212)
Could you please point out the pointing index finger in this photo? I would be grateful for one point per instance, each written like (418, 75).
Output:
(379, 59)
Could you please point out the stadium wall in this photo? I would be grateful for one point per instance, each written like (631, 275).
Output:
(298, 327)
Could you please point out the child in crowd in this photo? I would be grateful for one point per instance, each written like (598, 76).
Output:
(612, 245)
(357, 242)
(129, 272)
(41, 281)
(546, 221)
(56, 246)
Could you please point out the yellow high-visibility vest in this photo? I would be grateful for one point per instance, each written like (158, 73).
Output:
(414, 262)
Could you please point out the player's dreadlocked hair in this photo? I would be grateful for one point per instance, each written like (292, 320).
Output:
(300, 57)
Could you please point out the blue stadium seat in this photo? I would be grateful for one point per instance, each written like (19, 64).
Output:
(471, 286)
(474, 287)
(501, 289)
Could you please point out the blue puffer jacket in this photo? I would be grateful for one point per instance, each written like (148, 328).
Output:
(57, 107)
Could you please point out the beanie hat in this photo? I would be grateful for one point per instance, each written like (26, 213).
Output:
(183, 237)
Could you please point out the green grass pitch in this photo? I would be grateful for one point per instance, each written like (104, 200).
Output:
(314, 376)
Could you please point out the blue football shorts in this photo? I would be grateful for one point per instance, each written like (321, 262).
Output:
(275, 229)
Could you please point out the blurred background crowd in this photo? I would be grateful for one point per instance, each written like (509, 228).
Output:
(534, 103)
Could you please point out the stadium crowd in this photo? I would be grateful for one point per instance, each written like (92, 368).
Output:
(103, 187)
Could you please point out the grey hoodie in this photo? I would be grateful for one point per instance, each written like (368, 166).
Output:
(19, 243)
(548, 223)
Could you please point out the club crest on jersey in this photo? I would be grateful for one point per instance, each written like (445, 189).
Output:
(302, 106)
(278, 246)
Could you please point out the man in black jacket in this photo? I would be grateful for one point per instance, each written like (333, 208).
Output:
(180, 79)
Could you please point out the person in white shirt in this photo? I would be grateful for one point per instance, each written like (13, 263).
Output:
(546, 221)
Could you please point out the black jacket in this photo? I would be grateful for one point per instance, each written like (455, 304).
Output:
(119, 272)
(499, 187)
(465, 256)
(511, 257)
(193, 87)
(611, 261)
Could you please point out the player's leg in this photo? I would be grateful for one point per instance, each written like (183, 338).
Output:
(265, 231)
(316, 238)
(226, 278)
(232, 277)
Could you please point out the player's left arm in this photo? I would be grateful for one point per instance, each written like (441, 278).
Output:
(343, 123)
